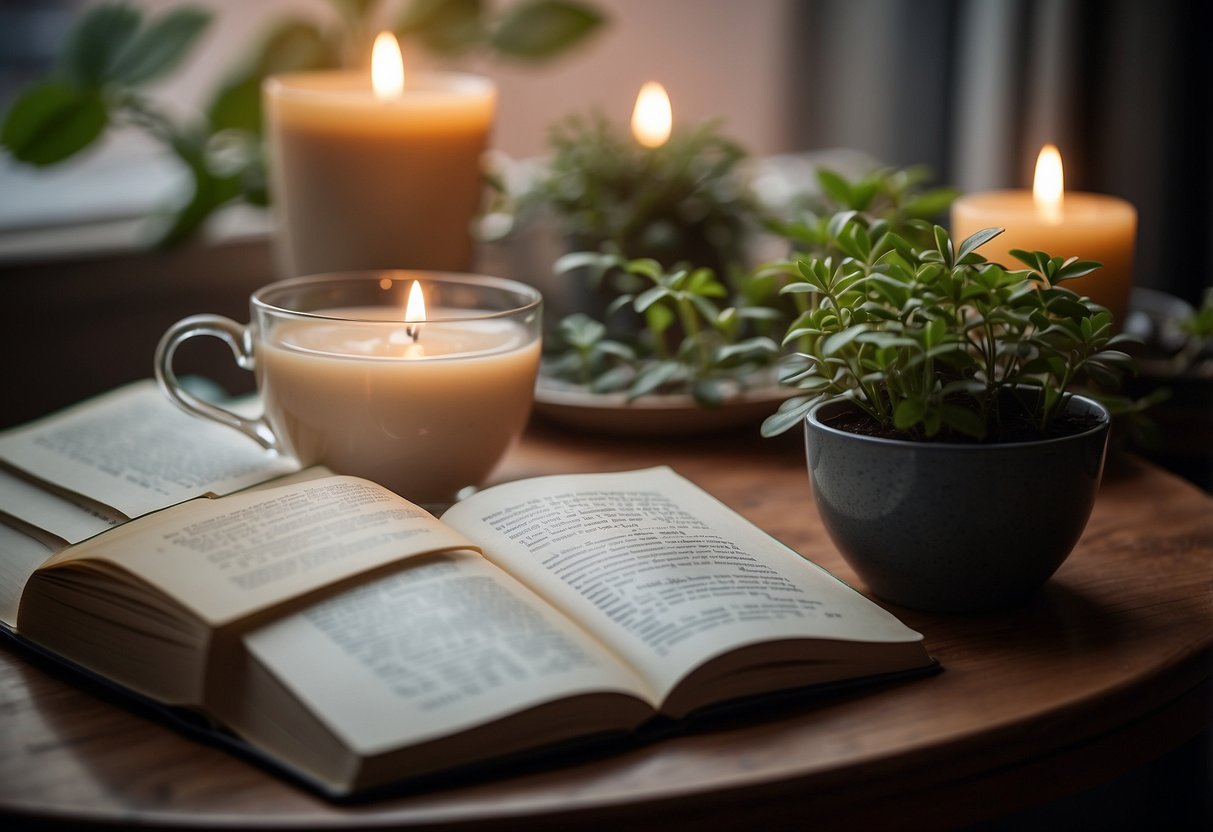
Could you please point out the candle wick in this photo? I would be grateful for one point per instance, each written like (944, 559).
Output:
(413, 331)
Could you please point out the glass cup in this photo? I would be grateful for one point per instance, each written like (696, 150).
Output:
(426, 407)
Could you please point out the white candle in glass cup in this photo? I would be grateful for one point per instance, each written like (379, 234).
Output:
(423, 401)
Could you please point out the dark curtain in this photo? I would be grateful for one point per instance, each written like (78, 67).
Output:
(973, 88)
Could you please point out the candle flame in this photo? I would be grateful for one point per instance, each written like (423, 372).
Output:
(652, 119)
(1048, 186)
(414, 311)
(387, 67)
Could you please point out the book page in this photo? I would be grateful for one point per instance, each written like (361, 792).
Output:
(227, 558)
(69, 520)
(444, 643)
(661, 571)
(20, 555)
(133, 450)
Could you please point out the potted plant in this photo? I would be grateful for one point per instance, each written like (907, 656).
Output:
(695, 335)
(951, 463)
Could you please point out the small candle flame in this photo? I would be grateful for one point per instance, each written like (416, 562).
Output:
(414, 311)
(1048, 186)
(387, 67)
(652, 119)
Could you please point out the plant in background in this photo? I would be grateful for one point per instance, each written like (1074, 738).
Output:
(697, 335)
(687, 326)
(934, 342)
(897, 196)
(682, 202)
(1198, 328)
(113, 54)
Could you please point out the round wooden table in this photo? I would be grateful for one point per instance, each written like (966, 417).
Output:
(1107, 668)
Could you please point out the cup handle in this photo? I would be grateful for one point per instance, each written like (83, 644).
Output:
(239, 338)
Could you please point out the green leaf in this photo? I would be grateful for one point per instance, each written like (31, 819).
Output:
(658, 318)
(289, 47)
(295, 45)
(582, 259)
(544, 28)
(703, 282)
(976, 239)
(1076, 268)
(930, 204)
(99, 36)
(751, 347)
(53, 121)
(835, 187)
(1036, 260)
(790, 414)
(964, 420)
(707, 310)
(210, 193)
(613, 380)
(944, 245)
(936, 331)
(909, 412)
(646, 267)
(649, 297)
(445, 26)
(237, 106)
(709, 392)
(840, 339)
(160, 47)
(580, 330)
(653, 377)
(613, 348)
(838, 222)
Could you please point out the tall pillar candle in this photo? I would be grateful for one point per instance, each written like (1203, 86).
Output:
(1064, 224)
(366, 179)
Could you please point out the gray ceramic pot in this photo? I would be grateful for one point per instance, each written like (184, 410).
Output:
(954, 527)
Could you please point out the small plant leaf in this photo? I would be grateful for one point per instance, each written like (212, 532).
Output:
(159, 47)
(653, 377)
(944, 246)
(964, 420)
(709, 392)
(790, 414)
(613, 380)
(95, 42)
(1074, 268)
(838, 340)
(909, 412)
(542, 28)
(649, 297)
(447, 27)
(974, 240)
(52, 122)
(836, 188)
(658, 318)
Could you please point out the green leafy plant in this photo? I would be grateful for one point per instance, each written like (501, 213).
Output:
(898, 196)
(113, 54)
(682, 202)
(697, 335)
(932, 341)
(1198, 328)
(700, 324)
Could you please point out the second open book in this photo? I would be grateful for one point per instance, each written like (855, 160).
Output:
(356, 640)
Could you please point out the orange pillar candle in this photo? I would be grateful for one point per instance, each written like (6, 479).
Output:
(1064, 224)
(380, 171)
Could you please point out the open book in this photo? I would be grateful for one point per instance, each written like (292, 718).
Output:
(356, 640)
